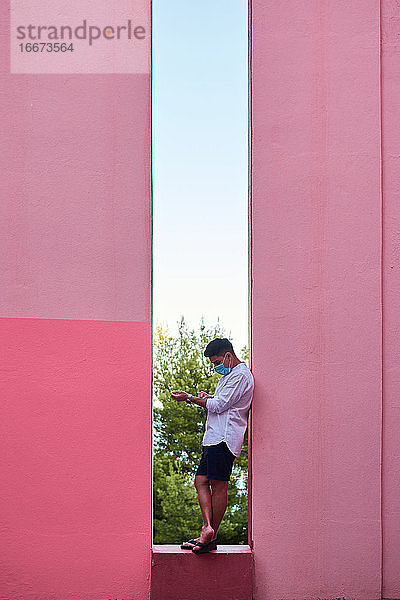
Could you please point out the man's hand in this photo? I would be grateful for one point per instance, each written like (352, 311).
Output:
(200, 399)
(179, 395)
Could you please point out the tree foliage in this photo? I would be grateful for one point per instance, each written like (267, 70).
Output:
(179, 363)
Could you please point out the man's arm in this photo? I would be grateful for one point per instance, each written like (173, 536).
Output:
(184, 396)
(222, 400)
(199, 401)
(228, 395)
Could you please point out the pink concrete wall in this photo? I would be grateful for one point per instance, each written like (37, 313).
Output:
(316, 299)
(75, 331)
(391, 291)
(223, 574)
(76, 459)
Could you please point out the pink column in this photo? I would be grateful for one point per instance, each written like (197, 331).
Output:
(75, 332)
(391, 291)
(316, 299)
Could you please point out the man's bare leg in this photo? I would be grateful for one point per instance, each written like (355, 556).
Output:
(204, 495)
(219, 502)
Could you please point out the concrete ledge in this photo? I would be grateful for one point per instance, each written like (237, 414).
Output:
(222, 574)
(168, 549)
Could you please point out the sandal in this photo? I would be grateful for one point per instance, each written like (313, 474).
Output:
(185, 547)
(205, 547)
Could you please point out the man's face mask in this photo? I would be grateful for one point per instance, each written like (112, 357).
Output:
(220, 369)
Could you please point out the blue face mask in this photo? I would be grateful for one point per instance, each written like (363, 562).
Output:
(221, 370)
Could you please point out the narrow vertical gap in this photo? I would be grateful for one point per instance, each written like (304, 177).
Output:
(172, 144)
(250, 267)
(151, 263)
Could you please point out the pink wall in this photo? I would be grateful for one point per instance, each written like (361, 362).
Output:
(223, 574)
(316, 300)
(76, 455)
(75, 316)
(391, 291)
(75, 332)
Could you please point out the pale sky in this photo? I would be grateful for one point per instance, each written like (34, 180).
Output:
(200, 158)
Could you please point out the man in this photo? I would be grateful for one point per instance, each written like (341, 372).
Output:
(223, 438)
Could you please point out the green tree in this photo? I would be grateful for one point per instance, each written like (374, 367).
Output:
(179, 363)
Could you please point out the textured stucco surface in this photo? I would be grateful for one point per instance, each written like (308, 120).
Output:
(316, 299)
(223, 574)
(75, 211)
(391, 295)
(75, 316)
(75, 459)
(75, 333)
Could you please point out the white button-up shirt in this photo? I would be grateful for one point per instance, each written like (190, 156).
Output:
(228, 409)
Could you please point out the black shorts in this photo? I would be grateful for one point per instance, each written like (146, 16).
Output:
(216, 462)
